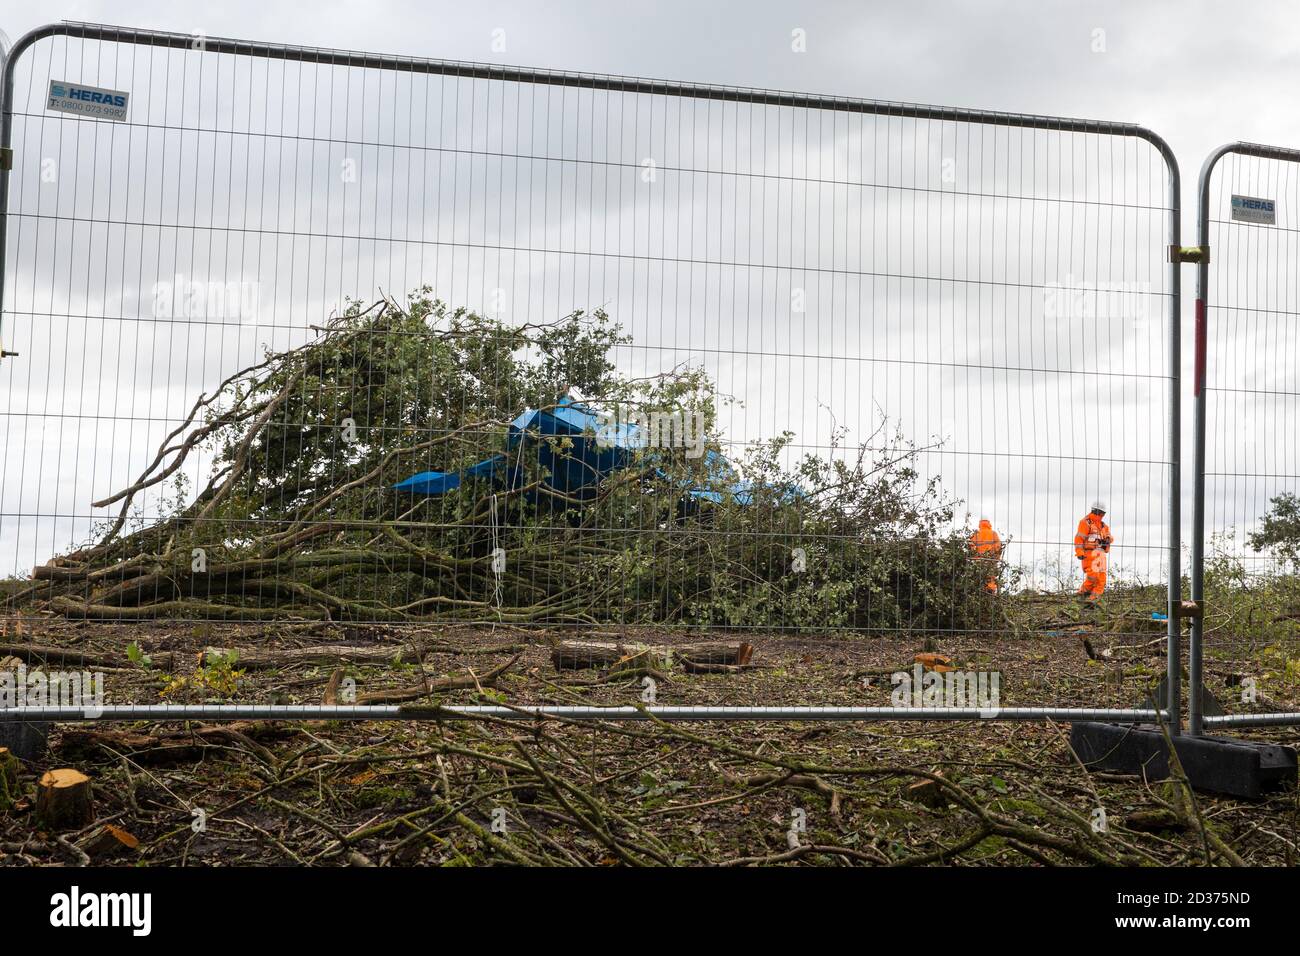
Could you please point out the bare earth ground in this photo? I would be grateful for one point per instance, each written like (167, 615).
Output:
(393, 793)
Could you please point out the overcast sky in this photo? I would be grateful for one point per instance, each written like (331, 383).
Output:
(1199, 74)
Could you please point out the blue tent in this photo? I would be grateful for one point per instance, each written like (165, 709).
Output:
(597, 448)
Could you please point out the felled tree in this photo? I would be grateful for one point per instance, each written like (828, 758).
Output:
(299, 517)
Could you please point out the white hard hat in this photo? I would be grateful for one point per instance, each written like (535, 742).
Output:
(1099, 505)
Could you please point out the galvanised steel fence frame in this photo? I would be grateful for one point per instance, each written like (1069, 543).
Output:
(1259, 257)
(836, 105)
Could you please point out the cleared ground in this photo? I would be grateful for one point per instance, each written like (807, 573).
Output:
(429, 793)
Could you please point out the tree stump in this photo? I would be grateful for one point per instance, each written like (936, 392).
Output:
(64, 800)
(8, 780)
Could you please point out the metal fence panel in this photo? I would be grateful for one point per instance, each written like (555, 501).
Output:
(1246, 651)
(655, 357)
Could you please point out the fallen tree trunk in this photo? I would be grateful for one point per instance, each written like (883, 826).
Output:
(716, 652)
(175, 744)
(253, 658)
(692, 667)
(256, 658)
(43, 653)
(577, 655)
(400, 695)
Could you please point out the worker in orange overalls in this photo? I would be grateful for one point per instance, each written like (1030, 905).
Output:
(1092, 546)
(987, 548)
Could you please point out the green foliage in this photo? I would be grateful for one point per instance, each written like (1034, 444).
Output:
(1245, 608)
(215, 679)
(138, 657)
(407, 377)
(300, 513)
(876, 550)
(1280, 531)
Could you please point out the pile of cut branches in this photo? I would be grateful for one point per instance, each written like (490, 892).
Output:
(296, 516)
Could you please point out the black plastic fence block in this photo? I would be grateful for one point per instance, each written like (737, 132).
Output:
(1237, 768)
(26, 739)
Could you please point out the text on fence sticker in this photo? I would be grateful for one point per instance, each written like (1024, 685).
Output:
(1250, 209)
(87, 100)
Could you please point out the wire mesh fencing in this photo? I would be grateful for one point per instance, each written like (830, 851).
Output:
(334, 363)
(1247, 534)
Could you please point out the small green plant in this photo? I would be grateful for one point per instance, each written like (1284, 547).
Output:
(216, 676)
(138, 657)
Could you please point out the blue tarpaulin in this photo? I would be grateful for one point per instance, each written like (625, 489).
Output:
(576, 471)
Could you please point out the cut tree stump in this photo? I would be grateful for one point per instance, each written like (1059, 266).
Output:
(64, 800)
(8, 780)
(576, 655)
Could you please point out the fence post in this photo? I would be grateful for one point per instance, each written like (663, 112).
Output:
(1198, 453)
(1174, 628)
(1195, 649)
(6, 163)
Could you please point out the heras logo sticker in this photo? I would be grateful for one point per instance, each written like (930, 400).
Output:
(88, 101)
(1251, 209)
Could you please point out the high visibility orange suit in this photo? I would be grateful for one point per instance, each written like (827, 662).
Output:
(987, 547)
(1091, 546)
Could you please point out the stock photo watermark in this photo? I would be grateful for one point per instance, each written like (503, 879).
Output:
(633, 428)
(76, 690)
(955, 688)
(189, 298)
(1078, 298)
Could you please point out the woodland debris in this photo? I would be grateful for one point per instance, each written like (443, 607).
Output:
(577, 655)
(171, 745)
(254, 658)
(410, 652)
(716, 652)
(1154, 821)
(643, 661)
(693, 667)
(8, 780)
(331, 695)
(940, 663)
(399, 695)
(109, 841)
(928, 793)
(69, 656)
